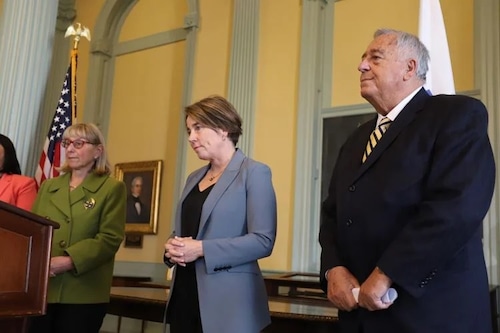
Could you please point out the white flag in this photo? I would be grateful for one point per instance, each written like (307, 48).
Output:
(432, 33)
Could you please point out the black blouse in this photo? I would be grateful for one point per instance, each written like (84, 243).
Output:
(184, 309)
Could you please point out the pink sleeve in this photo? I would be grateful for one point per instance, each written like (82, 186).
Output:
(26, 194)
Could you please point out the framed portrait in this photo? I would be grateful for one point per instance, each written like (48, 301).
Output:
(142, 180)
(133, 241)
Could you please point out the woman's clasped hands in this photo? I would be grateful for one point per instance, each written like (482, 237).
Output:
(183, 250)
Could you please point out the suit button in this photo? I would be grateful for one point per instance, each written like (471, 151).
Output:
(352, 188)
(348, 223)
(62, 244)
(68, 220)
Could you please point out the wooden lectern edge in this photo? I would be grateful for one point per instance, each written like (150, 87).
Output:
(29, 215)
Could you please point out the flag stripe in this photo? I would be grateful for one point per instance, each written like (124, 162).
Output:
(53, 155)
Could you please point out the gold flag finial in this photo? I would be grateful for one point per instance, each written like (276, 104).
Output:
(78, 32)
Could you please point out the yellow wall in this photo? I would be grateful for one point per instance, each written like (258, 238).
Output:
(86, 15)
(145, 111)
(145, 104)
(276, 107)
(357, 20)
(159, 15)
(212, 57)
(147, 97)
(144, 126)
(276, 113)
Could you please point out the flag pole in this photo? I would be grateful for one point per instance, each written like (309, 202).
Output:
(53, 155)
(77, 31)
(74, 56)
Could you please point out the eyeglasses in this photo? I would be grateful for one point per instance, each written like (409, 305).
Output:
(79, 143)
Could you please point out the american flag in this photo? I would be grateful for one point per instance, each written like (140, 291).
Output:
(53, 155)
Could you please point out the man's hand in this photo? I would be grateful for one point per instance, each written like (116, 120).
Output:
(372, 290)
(340, 284)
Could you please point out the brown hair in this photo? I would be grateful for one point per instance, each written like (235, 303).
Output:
(92, 134)
(216, 112)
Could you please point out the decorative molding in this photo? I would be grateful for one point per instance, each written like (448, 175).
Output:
(487, 74)
(191, 38)
(364, 108)
(242, 89)
(152, 41)
(191, 20)
(314, 93)
(102, 47)
(101, 64)
(105, 47)
(66, 14)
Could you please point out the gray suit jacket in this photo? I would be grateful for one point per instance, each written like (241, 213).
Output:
(238, 227)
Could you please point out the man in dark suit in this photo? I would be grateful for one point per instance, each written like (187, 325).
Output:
(137, 211)
(406, 203)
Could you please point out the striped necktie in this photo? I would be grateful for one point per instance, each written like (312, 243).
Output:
(376, 136)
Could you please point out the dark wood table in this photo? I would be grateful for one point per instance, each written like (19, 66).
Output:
(296, 302)
(287, 315)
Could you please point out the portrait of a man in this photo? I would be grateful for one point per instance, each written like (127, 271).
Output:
(142, 180)
(138, 204)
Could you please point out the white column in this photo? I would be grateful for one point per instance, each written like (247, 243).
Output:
(487, 75)
(243, 66)
(315, 80)
(25, 51)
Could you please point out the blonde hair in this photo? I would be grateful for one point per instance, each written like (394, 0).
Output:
(92, 134)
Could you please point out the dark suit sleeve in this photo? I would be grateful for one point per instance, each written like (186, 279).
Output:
(327, 239)
(457, 194)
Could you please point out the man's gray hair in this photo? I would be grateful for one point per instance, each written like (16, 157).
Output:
(136, 179)
(410, 46)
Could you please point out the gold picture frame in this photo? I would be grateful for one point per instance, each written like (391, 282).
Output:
(142, 180)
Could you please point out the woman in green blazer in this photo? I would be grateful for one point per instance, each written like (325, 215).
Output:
(89, 205)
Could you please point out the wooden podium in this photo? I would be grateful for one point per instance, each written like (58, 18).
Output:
(25, 242)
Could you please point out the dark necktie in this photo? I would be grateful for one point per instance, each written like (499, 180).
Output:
(376, 136)
(137, 204)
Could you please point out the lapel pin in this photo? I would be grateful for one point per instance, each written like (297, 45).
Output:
(89, 204)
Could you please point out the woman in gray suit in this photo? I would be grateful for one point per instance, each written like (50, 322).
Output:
(225, 222)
